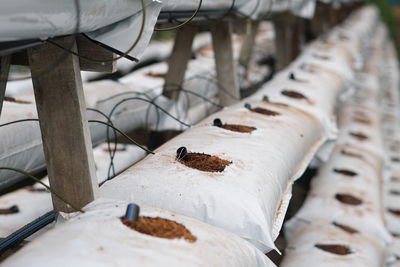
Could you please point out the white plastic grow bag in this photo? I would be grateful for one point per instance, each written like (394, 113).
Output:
(361, 127)
(348, 189)
(307, 241)
(315, 92)
(32, 202)
(99, 238)
(249, 197)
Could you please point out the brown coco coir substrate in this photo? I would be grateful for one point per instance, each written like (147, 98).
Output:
(334, 248)
(204, 162)
(345, 228)
(160, 227)
(238, 128)
(265, 111)
(348, 199)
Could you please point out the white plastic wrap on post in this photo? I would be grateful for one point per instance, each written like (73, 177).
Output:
(349, 190)
(100, 235)
(33, 201)
(330, 243)
(248, 197)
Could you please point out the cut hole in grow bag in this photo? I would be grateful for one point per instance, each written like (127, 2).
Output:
(156, 75)
(345, 228)
(34, 189)
(11, 210)
(108, 150)
(348, 199)
(359, 136)
(334, 248)
(160, 227)
(13, 100)
(323, 57)
(394, 211)
(263, 111)
(201, 161)
(233, 127)
(362, 120)
(293, 94)
(345, 172)
(351, 154)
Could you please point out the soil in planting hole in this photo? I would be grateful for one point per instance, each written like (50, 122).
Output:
(351, 154)
(345, 228)
(348, 199)
(233, 127)
(323, 57)
(36, 190)
(203, 162)
(160, 227)
(263, 111)
(359, 136)
(238, 128)
(293, 94)
(155, 74)
(334, 248)
(111, 149)
(13, 100)
(394, 211)
(362, 120)
(345, 172)
(11, 210)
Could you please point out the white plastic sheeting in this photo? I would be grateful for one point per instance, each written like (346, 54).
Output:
(98, 238)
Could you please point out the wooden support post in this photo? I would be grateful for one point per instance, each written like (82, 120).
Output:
(288, 38)
(65, 133)
(178, 61)
(229, 91)
(4, 70)
(248, 43)
(88, 49)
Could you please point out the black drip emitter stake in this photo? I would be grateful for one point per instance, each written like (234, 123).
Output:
(217, 122)
(181, 153)
(132, 212)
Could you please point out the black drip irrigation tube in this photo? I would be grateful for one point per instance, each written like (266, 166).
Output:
(26, 231)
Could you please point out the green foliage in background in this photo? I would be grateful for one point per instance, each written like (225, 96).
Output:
(386, 14)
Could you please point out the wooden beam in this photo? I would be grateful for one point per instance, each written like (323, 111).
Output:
(89, 49)
(229, 91)
(86, 48)
(178, 61)
(248, 43)
(4, 70)
(65, 133)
